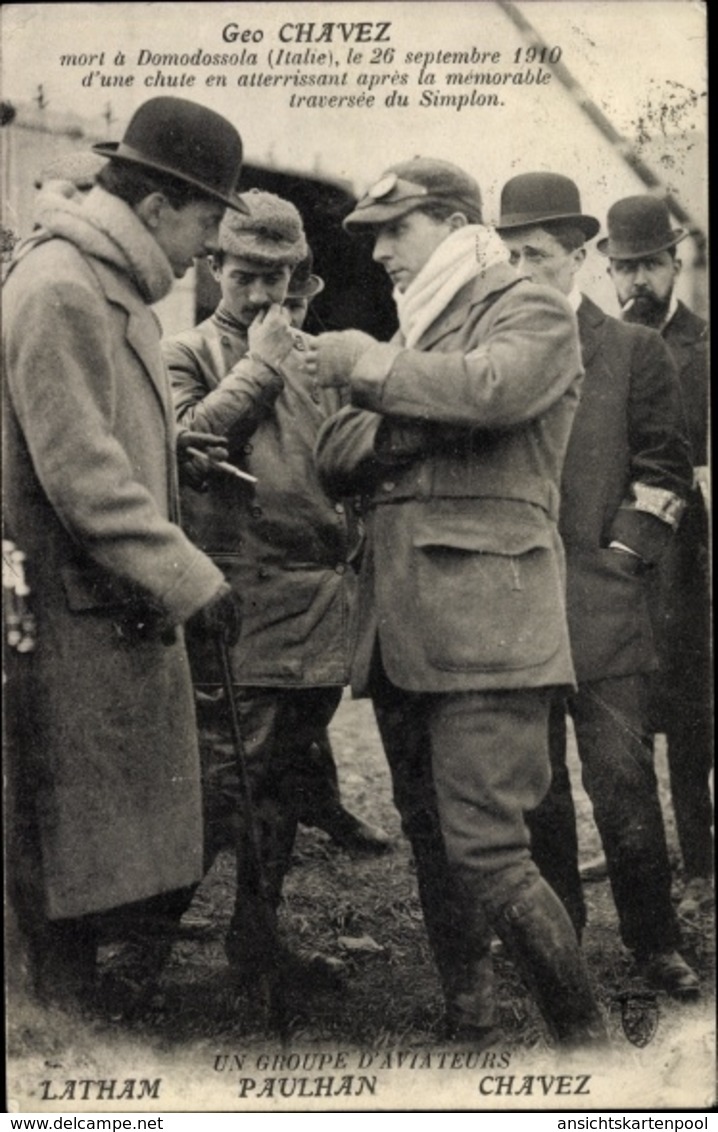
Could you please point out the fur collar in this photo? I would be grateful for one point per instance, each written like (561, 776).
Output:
(103, 226)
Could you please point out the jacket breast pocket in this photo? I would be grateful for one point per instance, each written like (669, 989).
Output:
(488, 598)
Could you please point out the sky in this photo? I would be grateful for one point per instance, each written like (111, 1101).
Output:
(641, 62)
(633, 57)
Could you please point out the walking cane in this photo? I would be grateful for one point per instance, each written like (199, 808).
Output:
(271, 984)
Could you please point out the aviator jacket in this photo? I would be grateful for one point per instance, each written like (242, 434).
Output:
(283, 544)
(458, 445)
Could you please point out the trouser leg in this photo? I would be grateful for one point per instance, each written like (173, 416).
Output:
(615, 748)
(459, 941)
(278, 726)
(490, 762)
(553, 827)
(690, 759)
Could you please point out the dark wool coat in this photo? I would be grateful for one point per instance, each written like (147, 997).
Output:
(108, 751)
(462, 580)
(628, 430)
(680, 598)
(283, 544)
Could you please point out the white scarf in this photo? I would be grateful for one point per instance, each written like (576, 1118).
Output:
(467, 252)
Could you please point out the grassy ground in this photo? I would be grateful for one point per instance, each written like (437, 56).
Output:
(366, 912)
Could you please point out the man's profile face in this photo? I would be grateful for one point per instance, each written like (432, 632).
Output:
(404, 245)
(249, 287)
(187, 233)
(538, 255)
(646, 285)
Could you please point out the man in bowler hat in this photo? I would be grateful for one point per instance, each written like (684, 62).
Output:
(104, 778)
(642, 247)
(456, 433)
(625, 480)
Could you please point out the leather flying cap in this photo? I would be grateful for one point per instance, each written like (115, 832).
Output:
(269, 231)
(639, 226)
(184, 140)
(412, 184)
(533, 199)
(303, 284)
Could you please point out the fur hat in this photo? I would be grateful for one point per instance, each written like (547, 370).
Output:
(270, 231)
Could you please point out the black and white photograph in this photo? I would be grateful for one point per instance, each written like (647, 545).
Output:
(357, 658)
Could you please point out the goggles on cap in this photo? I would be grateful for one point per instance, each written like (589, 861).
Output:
(391, 189)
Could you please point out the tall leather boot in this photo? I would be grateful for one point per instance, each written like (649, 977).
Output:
(539, 936)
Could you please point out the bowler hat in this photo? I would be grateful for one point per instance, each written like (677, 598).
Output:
(303, 284)
(184, 140)
(269, 230)
(531, 199)
(413, 184)
(637, 227)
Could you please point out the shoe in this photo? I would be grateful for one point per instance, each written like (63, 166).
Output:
(351, 833)
(698, 895)
(594, 870)
(669, 972)
(539, 937)
(474, 1037)
(131, 980)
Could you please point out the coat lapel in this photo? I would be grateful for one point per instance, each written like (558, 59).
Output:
(142, 333)
(590, 320)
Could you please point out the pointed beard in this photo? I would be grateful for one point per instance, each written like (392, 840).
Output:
(646, 310)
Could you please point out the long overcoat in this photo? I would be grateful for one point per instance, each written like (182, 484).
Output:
(108, 751)
(462, 583)
(626, 474)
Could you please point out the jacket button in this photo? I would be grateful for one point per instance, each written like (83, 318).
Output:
(388, 485)
(340, 568)
(247, 449)
(256, 511)
(339, 508)
(226, 341)
(262, 572)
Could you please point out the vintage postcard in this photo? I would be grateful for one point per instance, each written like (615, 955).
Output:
(326, 97)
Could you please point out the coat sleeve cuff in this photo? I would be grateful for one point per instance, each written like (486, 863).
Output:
(198, 583)
(642, 532)
(368, 378)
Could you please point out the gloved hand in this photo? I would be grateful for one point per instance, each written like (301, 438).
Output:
(331, 357)
(270, 337)
(220, 617)
(193, 469)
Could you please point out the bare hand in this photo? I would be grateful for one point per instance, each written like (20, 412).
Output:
(195, 466)
(271, 337)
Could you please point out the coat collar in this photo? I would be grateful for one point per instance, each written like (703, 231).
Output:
(473, 294)
(143, 330)
(685, 326)
(590, 322)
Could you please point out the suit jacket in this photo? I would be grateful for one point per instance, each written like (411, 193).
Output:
(680, 593)
(626, 474)
(686, 336)
(108, 751)
(461, 451)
